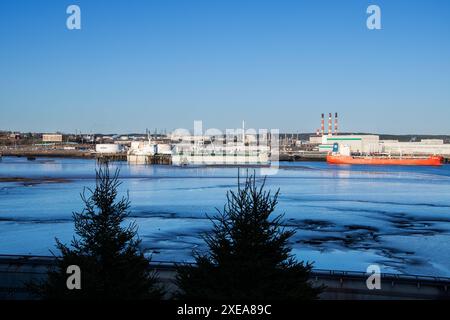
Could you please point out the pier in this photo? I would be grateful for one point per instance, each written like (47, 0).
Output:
(303, 156)
(109, 157)
(165, 159)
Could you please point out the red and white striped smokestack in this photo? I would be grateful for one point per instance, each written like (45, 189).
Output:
(335, 124)
(330, 127)
(322, 125)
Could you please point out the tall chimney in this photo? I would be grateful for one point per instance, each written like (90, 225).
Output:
(322, 125)
(336, 123)
(330, 125)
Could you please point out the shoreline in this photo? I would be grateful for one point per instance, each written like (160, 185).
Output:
(47, 153)
(32, 181)
(312, 156)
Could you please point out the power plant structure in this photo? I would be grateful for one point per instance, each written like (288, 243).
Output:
(321, 131)
(370, 144)
(336, 123)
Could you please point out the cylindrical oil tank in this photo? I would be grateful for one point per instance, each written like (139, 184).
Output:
(108, 148)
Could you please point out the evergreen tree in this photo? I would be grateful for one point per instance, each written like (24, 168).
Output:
(112, 265)
(248, 254)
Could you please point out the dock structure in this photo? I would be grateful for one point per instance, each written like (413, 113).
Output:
(149, 152)
(18, 270)
(109, 157)
(303, 156)
(165, 159)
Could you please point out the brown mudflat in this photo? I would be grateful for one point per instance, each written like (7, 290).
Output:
(29, 181)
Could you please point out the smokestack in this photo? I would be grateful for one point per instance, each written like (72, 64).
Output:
(336, 123)
(322, 125)
(330, 125)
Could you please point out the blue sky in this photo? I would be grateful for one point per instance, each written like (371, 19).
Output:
(276, 64)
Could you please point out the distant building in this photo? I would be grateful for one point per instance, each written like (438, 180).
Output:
(315, 139)
(52, 137)
(356, 143)
(108, 148)
(14, 136)
(372, 144)
(423, 147)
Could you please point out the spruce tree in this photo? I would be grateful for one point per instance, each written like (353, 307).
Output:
(112, 265)
(248, 256)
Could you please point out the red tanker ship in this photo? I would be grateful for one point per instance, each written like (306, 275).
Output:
(385, 160)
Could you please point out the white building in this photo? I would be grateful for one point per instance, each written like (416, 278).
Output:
(108, 148)
(52, 137)
(424, 147)
(355, 143)
(372, 144)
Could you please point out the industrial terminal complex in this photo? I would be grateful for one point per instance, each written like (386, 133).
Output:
(372, 144)
(369, 144)
(241, 147)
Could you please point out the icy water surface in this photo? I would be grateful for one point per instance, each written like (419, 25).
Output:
(346, 217)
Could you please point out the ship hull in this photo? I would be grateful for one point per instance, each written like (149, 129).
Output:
(430, 161)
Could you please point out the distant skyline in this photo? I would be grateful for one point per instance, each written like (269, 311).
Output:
(275, 64)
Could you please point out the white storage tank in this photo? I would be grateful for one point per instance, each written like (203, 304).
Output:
(108, 148)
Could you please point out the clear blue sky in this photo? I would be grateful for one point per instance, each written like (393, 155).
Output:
(276, 64)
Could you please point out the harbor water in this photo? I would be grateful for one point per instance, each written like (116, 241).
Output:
(346, 217)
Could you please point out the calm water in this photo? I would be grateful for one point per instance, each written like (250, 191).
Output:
(346, 217)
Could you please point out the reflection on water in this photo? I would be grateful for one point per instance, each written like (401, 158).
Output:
(346, 216)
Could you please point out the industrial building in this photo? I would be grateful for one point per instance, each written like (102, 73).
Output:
(371, 144)
(356, 143)
(109, 148)
(53, 137)
(423, 147)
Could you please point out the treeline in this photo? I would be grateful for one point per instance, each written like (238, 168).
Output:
(247, 258)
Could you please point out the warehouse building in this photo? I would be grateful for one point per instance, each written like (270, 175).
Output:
(108, 148)
(423, 147)
(52, 137)
(356, 143)
(370, 144)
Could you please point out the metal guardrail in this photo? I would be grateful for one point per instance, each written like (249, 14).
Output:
(17, 269)
(49, 260)
(393, 276)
